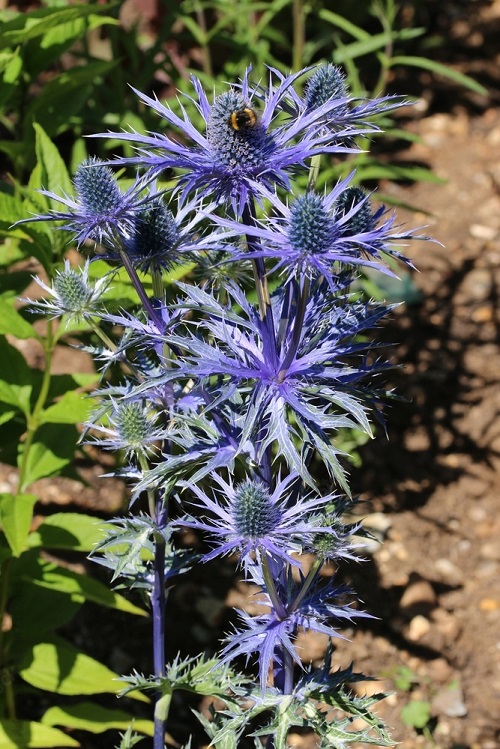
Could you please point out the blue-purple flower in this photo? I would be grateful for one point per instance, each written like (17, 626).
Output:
(298, 389)
(319, 607)
(100, 211)
(317, 235)
(250, 518)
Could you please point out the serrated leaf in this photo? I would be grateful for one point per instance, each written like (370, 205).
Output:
(87, 716)
(67, 530)
(16, 514)
(58, 667)
(23, 734)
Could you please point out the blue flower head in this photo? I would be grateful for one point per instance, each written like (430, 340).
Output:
(326, 83)
(321, 609)
(100, 211)
(251, 518)
(317, 236)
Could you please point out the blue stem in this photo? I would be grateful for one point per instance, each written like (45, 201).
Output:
(266, 315)
(158, 604)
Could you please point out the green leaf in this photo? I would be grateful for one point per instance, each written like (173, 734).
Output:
(11, 210)
(12, 322)
(53, 173)
(52, 448)
(64, 97)
(342, 23)
(26, 26)
(48, 609)
(373, 171)
(72, 408)
(23, 734)
(16, 514)
(416, 714)
(86, 716)
(362, 47)
(440, 69)
(67, 530)
(58, 667)
(16, 378)
(81, 588)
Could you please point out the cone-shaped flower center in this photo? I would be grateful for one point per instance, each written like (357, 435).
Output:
(132, 424)
(72, 290)
(254, 513)
(97, 188)
(156, 232)
(327, 82)
(237, 138)
(362, 220)
(311, 227)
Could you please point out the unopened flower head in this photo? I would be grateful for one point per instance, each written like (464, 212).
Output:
(153, 244)
(355, 203)
(133, 427)
(327, 94)
(72, 293)
(159, 238)
(327, 82)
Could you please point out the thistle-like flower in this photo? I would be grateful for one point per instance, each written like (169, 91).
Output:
(318, 607)
(100, 211)
(242, 147)
(327, 85)
(133, 427)
(72, 293)
(250, 518)
(315, 373)
(317, 236)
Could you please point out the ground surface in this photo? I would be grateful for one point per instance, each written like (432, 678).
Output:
(433, 490)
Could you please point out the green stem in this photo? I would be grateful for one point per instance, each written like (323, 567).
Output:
(205, 47)
(311, 576)
(271, 589)
(4, 594)
(158, 285)
(313, 172)
(150, 493)
(299, 35)
(33, 419)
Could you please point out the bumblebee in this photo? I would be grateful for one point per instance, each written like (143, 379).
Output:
(243, 119)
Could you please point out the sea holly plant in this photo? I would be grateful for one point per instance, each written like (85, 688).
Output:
(225, 394)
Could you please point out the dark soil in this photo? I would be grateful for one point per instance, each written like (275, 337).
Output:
(431, 490)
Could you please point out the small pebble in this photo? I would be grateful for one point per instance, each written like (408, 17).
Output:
(418, 598)
(449, 701)
(418, 628)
